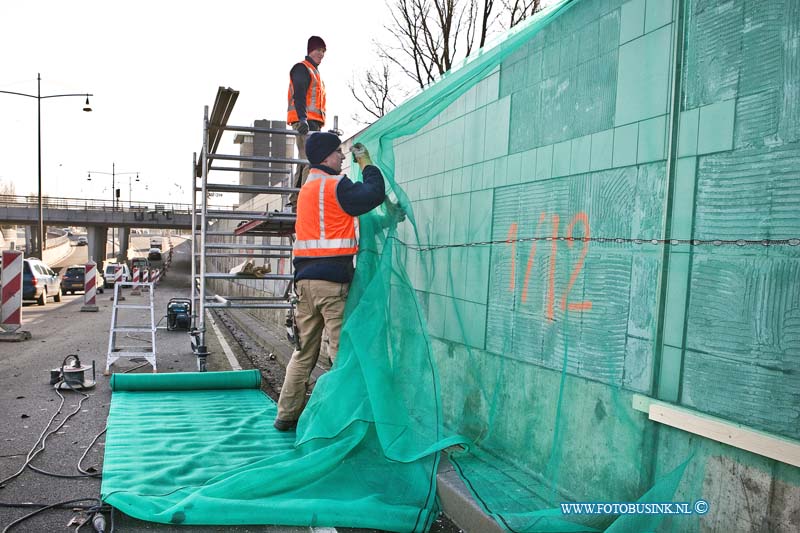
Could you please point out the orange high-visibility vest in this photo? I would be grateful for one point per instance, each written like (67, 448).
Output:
(315, 97)
(323, 228)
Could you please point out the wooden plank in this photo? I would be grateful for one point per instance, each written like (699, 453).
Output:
(774, 447)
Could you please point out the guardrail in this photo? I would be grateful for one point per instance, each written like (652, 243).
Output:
(8, 200)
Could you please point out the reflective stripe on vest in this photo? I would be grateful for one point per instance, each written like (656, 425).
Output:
(323, 228)
(315, 97)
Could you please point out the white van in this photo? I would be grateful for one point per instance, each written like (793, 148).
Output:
(155, 242)
(110, 273)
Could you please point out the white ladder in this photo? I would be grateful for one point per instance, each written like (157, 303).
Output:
(131, 352)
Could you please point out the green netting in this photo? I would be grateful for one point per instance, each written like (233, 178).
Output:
(488, 321)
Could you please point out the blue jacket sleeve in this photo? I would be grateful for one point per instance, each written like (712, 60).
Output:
(361, 197)
(301, 79)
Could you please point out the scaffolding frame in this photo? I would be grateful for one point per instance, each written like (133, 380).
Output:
(266, 224)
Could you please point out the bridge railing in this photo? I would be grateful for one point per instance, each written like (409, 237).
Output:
(48, 202)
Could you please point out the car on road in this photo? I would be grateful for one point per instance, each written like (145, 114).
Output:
(82, 241)
(110, 274)
(39, 282)
(154, 255)
(73, 280)
(155, 242)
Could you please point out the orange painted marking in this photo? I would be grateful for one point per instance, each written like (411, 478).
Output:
(583, 218)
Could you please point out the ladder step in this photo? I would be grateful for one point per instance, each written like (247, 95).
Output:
(133, 306)
(132, 329)
(263, 256)
(242, 246)
(236, 276)
(135, 354)
(286, 218)
(257, 170)
(253, 189)
(248, 306)
(258, 159)
(253, 129)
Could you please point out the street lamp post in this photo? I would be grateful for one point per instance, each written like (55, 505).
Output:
(39, 98)
(114, 175)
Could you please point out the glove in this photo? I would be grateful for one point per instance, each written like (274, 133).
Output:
(302, 127)
(360, 155)
(395, 211)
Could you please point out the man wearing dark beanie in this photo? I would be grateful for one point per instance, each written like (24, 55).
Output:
(325, 244)
(306, 108)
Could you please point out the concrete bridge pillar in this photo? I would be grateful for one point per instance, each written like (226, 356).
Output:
(124, 242)
(31, 240)
(10, 237)
(98, 243)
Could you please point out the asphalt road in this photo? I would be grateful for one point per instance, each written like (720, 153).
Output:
(28, 402)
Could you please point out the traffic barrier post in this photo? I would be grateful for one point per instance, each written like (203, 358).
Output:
(11, 290)
(90, 287)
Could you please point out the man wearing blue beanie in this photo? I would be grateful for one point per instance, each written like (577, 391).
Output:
(327, 207)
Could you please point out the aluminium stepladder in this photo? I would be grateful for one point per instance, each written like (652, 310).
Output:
(116, 352)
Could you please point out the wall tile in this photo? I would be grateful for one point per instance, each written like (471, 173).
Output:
(657, 14)
(643, 77)
(626, 140)
(631, 20)
(581, 155)
(602, 150)
(687, 132)
(562, 154)
(544, 162)
(651, 140)
(716, 127)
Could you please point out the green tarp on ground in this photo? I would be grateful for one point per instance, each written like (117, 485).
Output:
(200, 449)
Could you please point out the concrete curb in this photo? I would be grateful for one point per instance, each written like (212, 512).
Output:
(455, 498)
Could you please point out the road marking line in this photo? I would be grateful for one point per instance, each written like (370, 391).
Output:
(225, 346)
(322, 529)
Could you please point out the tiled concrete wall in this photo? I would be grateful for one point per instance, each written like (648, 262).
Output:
(569, 137)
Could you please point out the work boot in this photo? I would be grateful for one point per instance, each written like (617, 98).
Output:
(285, 425)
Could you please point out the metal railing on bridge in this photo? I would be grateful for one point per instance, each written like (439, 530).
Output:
(7, 200)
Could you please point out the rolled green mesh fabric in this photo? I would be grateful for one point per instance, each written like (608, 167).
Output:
(574, 251)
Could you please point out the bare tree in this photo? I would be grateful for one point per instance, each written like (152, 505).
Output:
(7, 188)
(428, 38)
(519, 10)
(375, 93)
(429, 35)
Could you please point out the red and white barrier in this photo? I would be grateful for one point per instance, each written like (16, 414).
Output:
(117, 279)
(90, 287)
(137, 290)
(11, 315)
(156, 276)
(11, 296)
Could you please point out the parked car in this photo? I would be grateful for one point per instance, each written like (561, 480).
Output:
(74, 277)
(39, 282)
(154, 255)
(82, 241)
(110, 274)
(139, 262)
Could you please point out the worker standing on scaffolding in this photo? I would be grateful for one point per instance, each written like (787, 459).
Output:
(306, 111)
(324, 248)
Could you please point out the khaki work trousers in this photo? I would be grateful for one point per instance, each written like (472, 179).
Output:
(301, 173)
(320, 305)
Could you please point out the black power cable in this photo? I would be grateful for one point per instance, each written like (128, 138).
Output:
(45, 508)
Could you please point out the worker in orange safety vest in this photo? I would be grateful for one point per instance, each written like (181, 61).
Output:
(306, 106)
(325, 244)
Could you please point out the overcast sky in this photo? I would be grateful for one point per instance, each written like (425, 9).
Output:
(152, 66)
